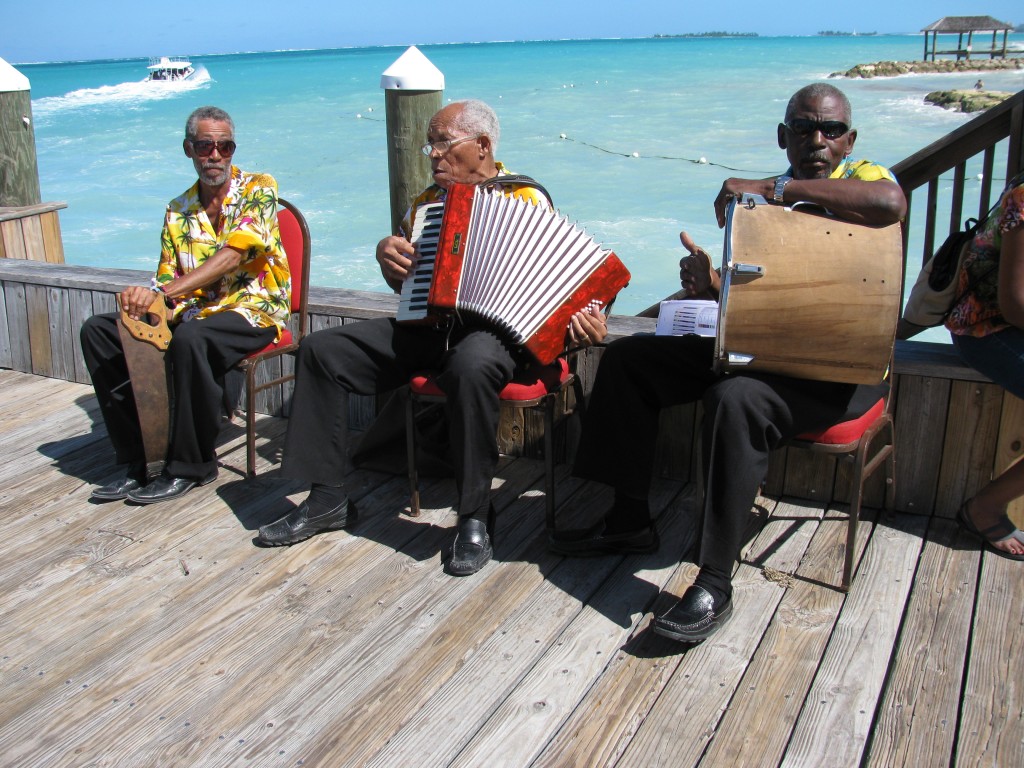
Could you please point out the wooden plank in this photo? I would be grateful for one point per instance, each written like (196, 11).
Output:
(992, 713)
(756, 727)
(1010, 447)
(541, 702)
(13, 239)
(809, 475)
(597, 616)
(17, 327)
(918, 714)
(922, 358)
(62, 336)
(39, 329)
(80, 309)
(6, 358)
(678, 438)
(967, 464)
(53, 243)
(32, 233)
(834, 726)
(921, 406)
(11, 212)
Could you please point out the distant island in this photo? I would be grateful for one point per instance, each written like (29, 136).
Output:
(712, 34)
(835, 33)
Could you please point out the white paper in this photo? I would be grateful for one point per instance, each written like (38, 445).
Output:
(680, 317)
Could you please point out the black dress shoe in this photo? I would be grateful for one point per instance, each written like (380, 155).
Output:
(694, 618)
(298, 525)
(167, 488)
(119, 489)
(594, 542)
(472, 548)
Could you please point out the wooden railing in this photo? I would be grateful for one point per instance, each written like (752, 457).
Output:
(973, 146)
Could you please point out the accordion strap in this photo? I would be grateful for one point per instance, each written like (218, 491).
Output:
(517, 180)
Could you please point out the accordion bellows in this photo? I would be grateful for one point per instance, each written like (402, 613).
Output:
(516, 266)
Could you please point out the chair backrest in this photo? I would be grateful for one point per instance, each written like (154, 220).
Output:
(297, 246)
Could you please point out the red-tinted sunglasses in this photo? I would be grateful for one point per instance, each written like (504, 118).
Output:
(204, 147)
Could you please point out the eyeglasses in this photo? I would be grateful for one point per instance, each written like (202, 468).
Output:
(830, 129)
(443, 146)
(204, 147)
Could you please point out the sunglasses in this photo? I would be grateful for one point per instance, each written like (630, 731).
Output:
(830, 129)
(204, 147)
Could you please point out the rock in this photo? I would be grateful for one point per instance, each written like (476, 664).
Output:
(966, 101)
(894, 68)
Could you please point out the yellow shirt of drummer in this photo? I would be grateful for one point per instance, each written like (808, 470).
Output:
(260, 288)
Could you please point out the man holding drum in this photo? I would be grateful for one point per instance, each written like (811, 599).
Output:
(746, 415)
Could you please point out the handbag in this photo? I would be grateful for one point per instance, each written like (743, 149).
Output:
(935, 292)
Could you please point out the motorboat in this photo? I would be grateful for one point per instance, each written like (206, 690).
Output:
(170, 68)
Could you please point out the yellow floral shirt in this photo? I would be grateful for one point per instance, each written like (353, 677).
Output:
(260, 289)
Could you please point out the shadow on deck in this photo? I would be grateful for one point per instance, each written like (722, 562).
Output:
(152, 636)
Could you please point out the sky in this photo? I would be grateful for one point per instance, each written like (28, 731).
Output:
(73, 30)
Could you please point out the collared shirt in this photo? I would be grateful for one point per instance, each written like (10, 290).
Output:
(864, 170)
(433, 193)
(260, 288)
(977, 313)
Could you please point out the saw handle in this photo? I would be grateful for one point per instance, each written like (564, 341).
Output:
(156, 333)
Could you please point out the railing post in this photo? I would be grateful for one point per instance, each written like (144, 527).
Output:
(412, 94)
(19, 173)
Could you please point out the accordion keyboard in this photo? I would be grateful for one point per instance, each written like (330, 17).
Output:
(426, 231)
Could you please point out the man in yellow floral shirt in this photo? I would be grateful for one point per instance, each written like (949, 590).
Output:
(227, 287)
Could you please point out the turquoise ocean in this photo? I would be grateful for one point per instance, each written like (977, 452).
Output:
(633, 138)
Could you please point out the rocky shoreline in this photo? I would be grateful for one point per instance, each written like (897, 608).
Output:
(894, 68)
(966, 101)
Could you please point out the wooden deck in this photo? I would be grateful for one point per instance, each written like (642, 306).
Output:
(160, 636)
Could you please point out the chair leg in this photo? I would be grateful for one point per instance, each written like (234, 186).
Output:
(410, 454)
(250, 420)
(549, 462)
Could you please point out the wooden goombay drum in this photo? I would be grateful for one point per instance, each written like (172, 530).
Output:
(806, 294)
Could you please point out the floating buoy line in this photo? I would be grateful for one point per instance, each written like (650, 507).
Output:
(698, 161)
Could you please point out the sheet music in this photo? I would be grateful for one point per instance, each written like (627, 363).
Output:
(416, 288)
(679, 317)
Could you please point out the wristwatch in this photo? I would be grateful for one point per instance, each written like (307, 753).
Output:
(780, 185)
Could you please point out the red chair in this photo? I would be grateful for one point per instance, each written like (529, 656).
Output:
(866, 442)
(296, 242)
(536, 388)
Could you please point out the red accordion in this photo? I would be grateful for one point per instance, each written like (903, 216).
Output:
(519, 267)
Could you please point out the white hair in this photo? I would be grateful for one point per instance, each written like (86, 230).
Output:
(477, 117)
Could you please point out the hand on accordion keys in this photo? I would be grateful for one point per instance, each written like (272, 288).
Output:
(395, 257)
(587, 327)
(696, 275)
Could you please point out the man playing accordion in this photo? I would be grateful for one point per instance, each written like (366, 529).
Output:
(373, 356)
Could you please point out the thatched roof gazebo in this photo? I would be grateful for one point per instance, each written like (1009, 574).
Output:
(968, 25)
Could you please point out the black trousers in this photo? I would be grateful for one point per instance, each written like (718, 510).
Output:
(745, 417)
(200, 359)
(380, 355)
